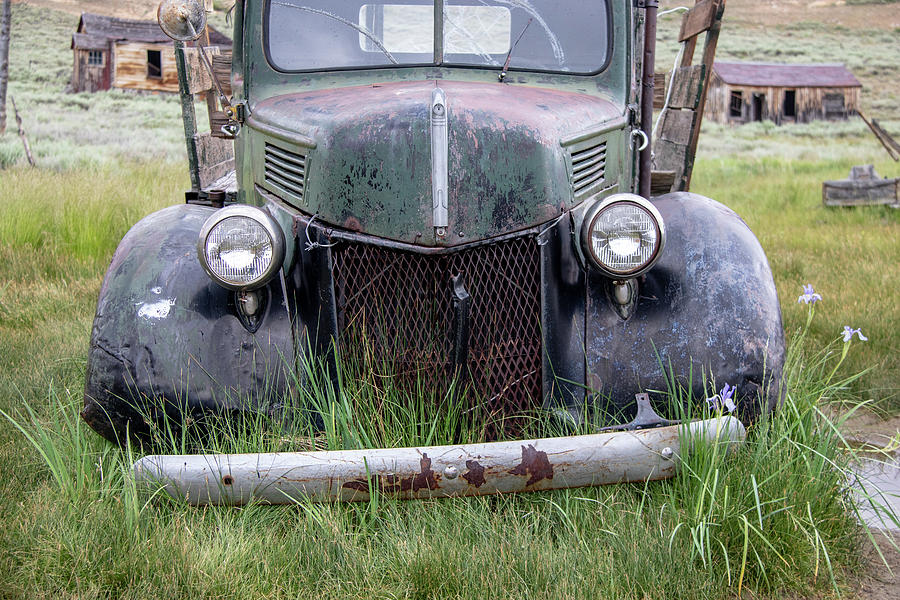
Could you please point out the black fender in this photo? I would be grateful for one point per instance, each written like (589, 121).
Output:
(167, 338)
(706, 313)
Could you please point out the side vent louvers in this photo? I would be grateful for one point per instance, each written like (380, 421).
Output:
(285, 169)
(588, 166)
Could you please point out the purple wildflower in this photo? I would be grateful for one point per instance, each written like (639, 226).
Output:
(724, 400)
(849, 332)
(809, 295)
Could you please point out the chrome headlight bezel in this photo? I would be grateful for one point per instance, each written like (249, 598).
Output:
(590, 218)
(269, 225)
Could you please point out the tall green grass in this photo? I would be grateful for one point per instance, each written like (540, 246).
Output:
(773, 516)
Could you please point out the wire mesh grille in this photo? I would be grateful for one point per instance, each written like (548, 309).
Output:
(401, 305)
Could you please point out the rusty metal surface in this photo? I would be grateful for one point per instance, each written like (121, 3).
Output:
(707, 312)
(371, 168)
(168, 338)
(433, 472)
(402, 304)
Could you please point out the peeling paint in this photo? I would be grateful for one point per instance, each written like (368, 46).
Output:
(155, 310)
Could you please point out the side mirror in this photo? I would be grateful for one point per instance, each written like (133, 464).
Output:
(182, 20)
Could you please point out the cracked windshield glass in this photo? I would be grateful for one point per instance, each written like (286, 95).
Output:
(537, 35)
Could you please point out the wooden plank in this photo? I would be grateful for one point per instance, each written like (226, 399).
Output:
(709, 53)
(659, 90)
(670, 156)
(198, 75)
(698, 19)
(661, 182)
(861, 192)
(686, 85)
(886, 140)
(217, 120)
(222, 68)
(677, 126)
(215, 157)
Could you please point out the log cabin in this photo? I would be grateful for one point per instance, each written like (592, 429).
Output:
(742, 92)
(126, 54)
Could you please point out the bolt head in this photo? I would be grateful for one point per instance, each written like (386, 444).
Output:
(451, 472)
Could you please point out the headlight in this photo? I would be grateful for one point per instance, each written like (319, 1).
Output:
(241, 247)
(623, 235)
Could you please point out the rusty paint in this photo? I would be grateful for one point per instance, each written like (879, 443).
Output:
(360, 485)
(353, 224)
(391, 483)
(475, 474)
(426, 478)
(507, 167)
(535, 464)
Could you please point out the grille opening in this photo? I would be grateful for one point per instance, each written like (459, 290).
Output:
(285, 169)
(588, 166)
(396, 311)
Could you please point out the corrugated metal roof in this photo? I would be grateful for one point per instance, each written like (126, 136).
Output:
(112, 28)
(783, 75)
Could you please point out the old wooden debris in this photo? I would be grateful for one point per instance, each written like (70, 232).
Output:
(22, 135)
(863, 187)
(679, 130)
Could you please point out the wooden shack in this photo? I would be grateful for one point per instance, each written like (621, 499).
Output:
(126, 54)
(742, 92)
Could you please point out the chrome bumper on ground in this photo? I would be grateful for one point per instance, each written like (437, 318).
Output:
(436, 471)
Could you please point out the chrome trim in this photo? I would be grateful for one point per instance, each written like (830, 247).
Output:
(588, 223)
(440, 150)
(269, 224)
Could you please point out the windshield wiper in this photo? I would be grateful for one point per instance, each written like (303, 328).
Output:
(502, 75)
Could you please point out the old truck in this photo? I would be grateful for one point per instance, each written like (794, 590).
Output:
(464, 189)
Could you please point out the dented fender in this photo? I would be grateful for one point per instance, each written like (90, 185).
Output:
(164, 332)
(707, 312)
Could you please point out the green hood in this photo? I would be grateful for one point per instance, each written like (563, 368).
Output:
(370, 170)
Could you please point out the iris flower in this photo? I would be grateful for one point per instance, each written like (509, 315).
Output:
(849, 332)
(809, 295)
(725, 399)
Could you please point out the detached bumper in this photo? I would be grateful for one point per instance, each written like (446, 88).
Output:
(436, 471)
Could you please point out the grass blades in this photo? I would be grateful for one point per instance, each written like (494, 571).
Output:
(773, 516)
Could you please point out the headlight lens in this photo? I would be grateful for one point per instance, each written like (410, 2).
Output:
(241, 247)
(623, 235)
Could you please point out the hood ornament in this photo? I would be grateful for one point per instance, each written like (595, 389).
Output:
(440, 150)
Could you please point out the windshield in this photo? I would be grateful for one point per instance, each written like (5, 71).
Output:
(533, 35)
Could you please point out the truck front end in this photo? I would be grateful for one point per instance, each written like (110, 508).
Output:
(448, 191)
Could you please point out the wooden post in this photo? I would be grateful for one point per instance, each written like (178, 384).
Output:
(189, 116)
(5, 20)
(709, 54)
(28, 154)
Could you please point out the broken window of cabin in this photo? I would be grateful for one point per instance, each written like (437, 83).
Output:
(95, 58)
(737, 104)
(154, 64)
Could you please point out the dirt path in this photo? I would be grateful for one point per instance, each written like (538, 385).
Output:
(882, 583)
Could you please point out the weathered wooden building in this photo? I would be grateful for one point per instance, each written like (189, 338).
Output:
(742, 92)
(126, 54)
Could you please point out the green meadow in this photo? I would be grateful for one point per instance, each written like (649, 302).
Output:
(775, 518)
